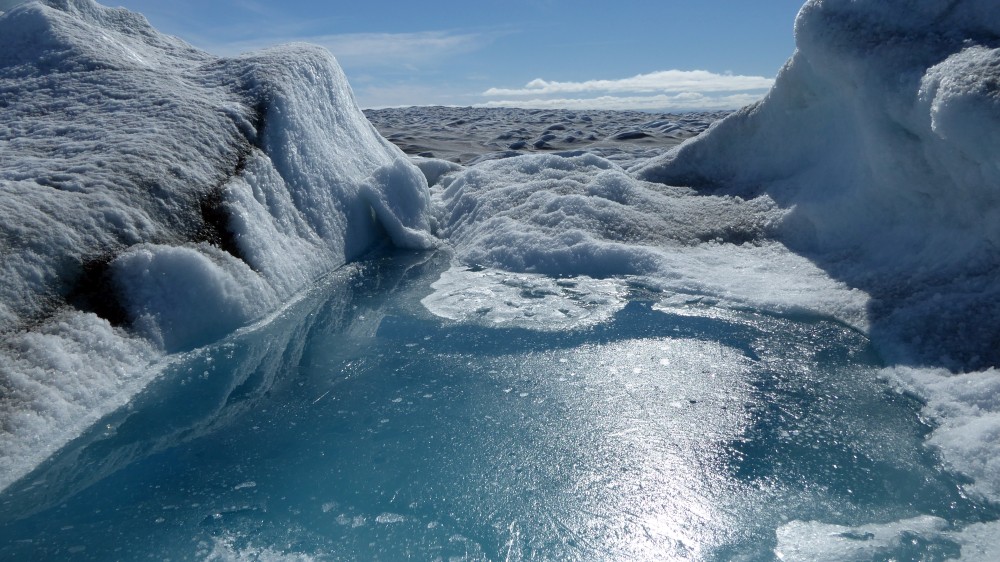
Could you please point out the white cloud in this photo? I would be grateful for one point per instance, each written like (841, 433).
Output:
(372, 50)
(660, 81)
(687, 101)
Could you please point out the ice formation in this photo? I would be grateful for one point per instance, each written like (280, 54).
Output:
(156, 198)
(873, 158)
(151, 185)
(880, 136)
(573, 214)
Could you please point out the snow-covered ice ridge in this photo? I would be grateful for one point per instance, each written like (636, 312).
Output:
(157, 198)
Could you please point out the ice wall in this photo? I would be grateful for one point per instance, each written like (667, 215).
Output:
(881, 136)
(156, 198)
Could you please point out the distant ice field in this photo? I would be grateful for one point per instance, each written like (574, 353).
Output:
(468, 135)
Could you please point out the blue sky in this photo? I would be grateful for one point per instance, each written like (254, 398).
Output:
(532, 53)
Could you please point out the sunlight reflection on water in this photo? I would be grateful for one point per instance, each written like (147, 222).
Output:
(356, 425)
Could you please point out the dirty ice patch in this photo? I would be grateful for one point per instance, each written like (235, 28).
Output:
(498, 298)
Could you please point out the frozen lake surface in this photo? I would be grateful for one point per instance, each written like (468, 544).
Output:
(357, 425)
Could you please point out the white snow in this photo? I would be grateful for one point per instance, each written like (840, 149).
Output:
(150, 184)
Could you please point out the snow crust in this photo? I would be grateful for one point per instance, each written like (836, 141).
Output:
(157, 197)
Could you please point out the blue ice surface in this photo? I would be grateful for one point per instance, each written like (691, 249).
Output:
(357, 426)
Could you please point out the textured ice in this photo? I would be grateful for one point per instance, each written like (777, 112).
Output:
(583, 215)
(539, 302)
(468, 135)
(902, 540)
(148, 185)
(880, 137)
(920, 538)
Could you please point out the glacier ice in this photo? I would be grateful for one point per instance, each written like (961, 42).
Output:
(156, 198)
(582, 215)
(151, 185)
(880, 138)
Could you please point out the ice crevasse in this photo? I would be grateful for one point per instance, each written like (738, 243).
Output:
(151, 185)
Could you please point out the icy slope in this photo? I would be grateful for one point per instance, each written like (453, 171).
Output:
(156, 198)
(881, 136)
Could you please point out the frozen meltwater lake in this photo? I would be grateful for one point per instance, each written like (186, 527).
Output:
(356, 425)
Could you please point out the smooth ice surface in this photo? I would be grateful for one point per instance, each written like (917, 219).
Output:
(356, 425)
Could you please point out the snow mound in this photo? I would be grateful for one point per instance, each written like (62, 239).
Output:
(582, 215)
(880, 136)
(157, 198)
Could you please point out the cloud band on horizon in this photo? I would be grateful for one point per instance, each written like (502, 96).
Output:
(670, 89)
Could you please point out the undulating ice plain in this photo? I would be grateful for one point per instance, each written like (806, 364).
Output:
(241, 319)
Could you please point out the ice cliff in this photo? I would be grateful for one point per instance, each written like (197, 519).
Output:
(156, 197)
